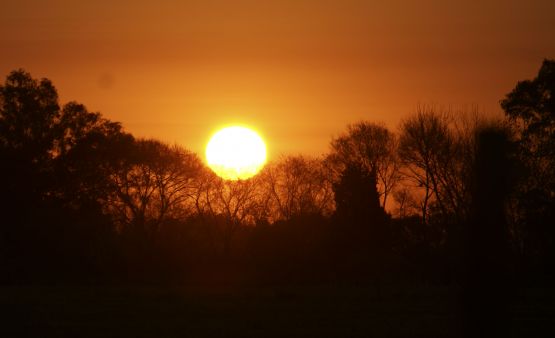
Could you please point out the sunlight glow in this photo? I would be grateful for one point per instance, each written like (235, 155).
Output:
(236, 153)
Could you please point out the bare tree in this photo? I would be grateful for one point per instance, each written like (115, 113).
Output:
(227, 205)
(373, 147)
(425, 148)
(297, 185)
(156, 182)
(437, 150)
(407, 205)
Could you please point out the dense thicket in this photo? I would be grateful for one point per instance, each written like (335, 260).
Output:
(83, 200)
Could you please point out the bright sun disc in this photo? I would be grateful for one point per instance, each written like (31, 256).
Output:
(236, 153)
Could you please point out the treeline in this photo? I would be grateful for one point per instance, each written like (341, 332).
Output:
(82, 200)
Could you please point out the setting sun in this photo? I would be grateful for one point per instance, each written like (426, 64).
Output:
(236, 153)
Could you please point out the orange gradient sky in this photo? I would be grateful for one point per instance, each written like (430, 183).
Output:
(298, 71)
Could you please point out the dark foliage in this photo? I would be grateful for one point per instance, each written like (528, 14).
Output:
(83, 201)
(530, 108)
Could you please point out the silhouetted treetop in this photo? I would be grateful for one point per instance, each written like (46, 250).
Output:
(371, 147)
(77, 125)
(532, 105)
(356, 196)
(436, 148)
(296, 186)
(530, 108)
(66, 153)
(33, 124)
(29, 112)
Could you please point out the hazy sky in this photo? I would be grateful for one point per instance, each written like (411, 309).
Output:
(298, 71)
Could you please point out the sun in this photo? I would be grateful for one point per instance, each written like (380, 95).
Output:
(236, 153)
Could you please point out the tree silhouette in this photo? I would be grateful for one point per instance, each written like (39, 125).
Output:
(155, 182)
(356, 196)
(531, 106)
(363, 230)
(226, 205)
(29, 112)
(296, 186)
(426, 149)
(42, 199)
(530, 109)
(437, 150)
(88, 151)
(371, 146)
(52, 151)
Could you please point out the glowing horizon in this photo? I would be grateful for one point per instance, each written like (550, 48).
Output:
(298, 70)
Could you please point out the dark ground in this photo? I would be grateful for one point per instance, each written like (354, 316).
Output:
(118, 311)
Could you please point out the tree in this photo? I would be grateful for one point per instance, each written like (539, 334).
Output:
(356, 197)
(530, 109)
(358, 210)
(434, 158)
(29, 111)
(48, 200)
(155, 182)
(77, 125)
(51, 152)
(407, 205)
(297, 185)
(372, 147)
(530, 106)
(88, 151)
(363, 231)
(224, 206)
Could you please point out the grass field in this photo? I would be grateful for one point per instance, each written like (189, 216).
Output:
(55, 311)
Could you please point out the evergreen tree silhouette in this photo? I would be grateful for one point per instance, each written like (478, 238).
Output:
(356, 197)
(362, 226)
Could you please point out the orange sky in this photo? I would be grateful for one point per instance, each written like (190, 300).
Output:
(298, 71)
